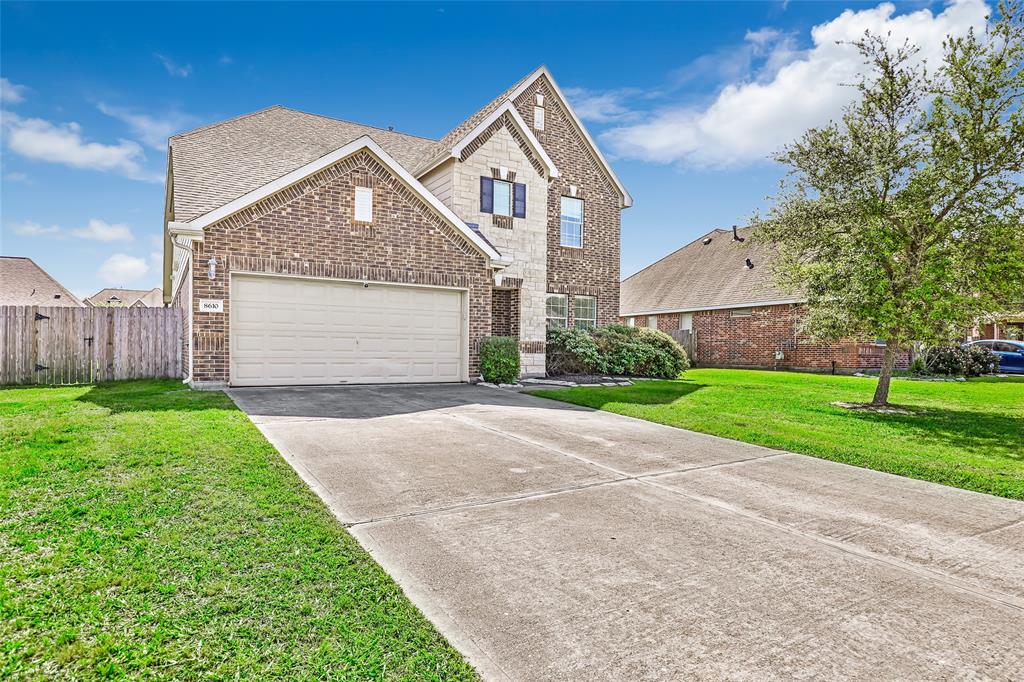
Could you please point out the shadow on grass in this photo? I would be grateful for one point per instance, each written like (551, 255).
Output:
(996, 434)
(153, 396)
(640, 393)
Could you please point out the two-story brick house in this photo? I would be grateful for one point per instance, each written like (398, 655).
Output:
(308, 250)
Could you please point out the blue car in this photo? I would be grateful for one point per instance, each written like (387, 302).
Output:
(1011, 354)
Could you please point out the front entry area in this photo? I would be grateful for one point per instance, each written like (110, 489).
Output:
(302, 331)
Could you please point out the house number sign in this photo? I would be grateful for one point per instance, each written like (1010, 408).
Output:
(211, 305)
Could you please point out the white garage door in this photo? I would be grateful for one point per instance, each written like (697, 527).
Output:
(288, 331)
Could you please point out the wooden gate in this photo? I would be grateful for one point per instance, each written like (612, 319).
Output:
(687, 339)
(42, 345)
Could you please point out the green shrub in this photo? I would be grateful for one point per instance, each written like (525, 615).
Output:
(499, 359)
(571, 351)
(615, 349)
(968, 361)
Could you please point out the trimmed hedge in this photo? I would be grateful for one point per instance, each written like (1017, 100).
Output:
(615, 349)
(499, 359)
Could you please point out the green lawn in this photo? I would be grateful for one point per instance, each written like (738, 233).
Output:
(148, 531)
(964, 434)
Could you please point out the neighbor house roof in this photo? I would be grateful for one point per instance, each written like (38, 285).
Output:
(150, 298)
(22, 282)
(703, 276)
(216, 164)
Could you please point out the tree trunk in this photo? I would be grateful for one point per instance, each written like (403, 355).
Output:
(885, 376)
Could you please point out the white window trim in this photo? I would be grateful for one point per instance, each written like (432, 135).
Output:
(494, 197)
(565, 302)
(583, 221)
(576, 318)
(364, 205)
(538, 117)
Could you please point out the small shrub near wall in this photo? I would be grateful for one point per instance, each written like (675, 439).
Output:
(499, 359)
(615, 349)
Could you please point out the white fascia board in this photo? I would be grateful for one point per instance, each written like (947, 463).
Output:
(186, 230)
(627, 200)
(531, 139)
(753, 304)
(359, 144)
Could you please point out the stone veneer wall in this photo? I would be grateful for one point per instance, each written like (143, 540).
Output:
(594, 269)
(308, 229)
(525, 242)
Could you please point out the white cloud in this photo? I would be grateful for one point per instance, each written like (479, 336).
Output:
(752, 117)
(11, 93)
(29, 228)
(122, 269)
(15, 177)
(602, 107)
(41, 140)
(153, 131)
(173, 68)
(226, 60)
(100, 231)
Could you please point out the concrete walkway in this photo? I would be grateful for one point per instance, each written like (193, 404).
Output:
(550, 542)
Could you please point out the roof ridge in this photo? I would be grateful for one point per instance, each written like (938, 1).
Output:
(210, 126)
(491, 104)
(357, 123)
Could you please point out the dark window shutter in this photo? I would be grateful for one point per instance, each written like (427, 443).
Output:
(486, 194)
(519, 200)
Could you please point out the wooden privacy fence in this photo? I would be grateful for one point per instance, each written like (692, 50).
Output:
(687, 339)
(83, 345)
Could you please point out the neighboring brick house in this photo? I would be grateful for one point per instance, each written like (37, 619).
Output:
(308, 250)
(23, 282)
(126, 298)
(719, 287)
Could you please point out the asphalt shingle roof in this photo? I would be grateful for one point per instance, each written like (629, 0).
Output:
(22, 282)
(151, 298)
(704, 276)
(221, 162)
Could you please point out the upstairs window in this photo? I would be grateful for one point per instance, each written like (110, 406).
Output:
(364, 204)
(538, 118)
(557, 310)
(572, 222)
(584, 310)
(501, 197)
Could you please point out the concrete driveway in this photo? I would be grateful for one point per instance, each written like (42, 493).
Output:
(550, 542)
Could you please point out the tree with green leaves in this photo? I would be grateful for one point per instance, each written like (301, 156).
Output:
(903, 220)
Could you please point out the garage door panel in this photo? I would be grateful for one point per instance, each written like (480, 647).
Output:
(295, 331)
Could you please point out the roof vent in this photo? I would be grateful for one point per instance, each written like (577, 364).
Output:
(391, 129)
(736, 236)
(749, 265)
(706, 241)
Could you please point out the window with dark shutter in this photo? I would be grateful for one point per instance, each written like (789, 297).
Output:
(519, 201)
(486, 194)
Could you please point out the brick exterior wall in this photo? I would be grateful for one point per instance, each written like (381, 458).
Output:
(594, 269)
(502, 323)
(308, 229)
(751, 341)
(723, 340)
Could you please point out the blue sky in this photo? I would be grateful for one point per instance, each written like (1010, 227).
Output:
(687, 99)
